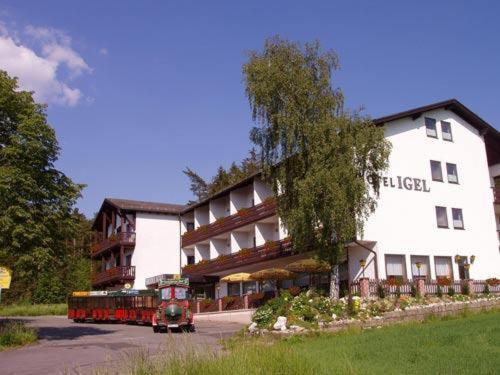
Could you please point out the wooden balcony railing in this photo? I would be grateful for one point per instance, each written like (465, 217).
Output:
(101, 245)
(270, 250)
(496, 194)
(116, 274)
(242, 217)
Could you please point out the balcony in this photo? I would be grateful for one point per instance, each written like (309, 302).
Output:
(241, 218)
(114, 275)
(270, 250)
(119, 239)
(496, 195)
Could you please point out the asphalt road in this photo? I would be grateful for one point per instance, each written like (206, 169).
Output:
(65, 347)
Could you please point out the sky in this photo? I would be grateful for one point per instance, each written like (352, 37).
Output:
(139, 90)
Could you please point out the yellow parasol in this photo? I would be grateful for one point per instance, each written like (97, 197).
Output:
(236, 278)
(275, 274)
(310, 265)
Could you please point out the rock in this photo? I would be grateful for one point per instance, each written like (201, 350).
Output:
(295, 328)
(280, 324)
(252, 327)
(334, 316)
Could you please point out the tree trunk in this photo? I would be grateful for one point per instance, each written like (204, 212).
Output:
(334, 283)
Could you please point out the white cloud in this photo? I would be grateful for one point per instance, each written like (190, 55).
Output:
(41, 72)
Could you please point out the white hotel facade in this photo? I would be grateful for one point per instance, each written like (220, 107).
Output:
(439, 206)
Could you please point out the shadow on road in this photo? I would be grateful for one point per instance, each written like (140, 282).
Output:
(70, 333)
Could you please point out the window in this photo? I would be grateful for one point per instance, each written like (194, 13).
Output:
(233, 289)
(451, 171)
(443, 267)
(423, 262)
(190, 259)
(458, 220)
(441, 217)
(249, 287)
(128, 260)
(395, 266)
(446, 131)
(437, 173)
(189, 226)
(430, 127)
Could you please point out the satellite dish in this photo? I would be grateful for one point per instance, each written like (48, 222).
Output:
(127, 286)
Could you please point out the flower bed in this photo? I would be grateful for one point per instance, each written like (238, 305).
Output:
(312, 310)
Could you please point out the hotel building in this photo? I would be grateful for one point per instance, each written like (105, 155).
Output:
(439, 207)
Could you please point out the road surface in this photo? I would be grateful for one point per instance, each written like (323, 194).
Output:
(65, 347)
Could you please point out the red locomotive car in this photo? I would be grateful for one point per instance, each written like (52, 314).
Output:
(174, 311)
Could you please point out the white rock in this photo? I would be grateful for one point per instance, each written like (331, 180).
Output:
(280, 324)
(252, 327)
(334, 316)
(296, 328)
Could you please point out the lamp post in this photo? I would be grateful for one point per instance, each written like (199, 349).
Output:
(362, 263)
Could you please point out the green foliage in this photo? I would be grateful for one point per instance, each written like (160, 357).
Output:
(33, 310)
(439, 291)
(14, 334)
(326, 161)
(486, 289)
(464, 345)
(380, 291)
(465, 289)
(451, 291)
(413, 291)
(37, 218)
(223, 178)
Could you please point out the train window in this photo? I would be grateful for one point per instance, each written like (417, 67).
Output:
(180, 293)
(166, 293)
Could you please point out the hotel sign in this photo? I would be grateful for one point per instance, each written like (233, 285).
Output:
(406, 183)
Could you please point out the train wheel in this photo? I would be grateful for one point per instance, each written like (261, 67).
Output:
(191, 328)
(156, 329)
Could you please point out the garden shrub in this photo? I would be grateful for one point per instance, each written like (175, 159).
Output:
(451, 291)
(413, 291)
(380, 291)
(465, 289)
(439, 291)
(486, 289)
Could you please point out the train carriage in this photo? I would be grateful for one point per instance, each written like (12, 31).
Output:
(127, 306)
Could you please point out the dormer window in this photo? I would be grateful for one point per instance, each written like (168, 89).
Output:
(430, 127)
(446, 131)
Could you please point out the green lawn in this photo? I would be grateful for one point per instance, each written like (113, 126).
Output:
(33, 310)
(462, 345)
(13, 334)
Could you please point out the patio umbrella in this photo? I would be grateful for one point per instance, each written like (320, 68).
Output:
(276, 274)
(236, 278)
(310, 266)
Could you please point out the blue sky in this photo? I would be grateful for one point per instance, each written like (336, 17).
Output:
(138, 90)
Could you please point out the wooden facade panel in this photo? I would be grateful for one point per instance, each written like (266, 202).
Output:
(226, 224)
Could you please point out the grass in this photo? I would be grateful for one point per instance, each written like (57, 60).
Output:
(33, 310)
(14, 334)
(460, 345)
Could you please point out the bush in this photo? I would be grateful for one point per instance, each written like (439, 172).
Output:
(439, 291)
(16, 334)
(413, 291)
(486, 289)
(398, 291)
(33, 310)
(451, 291)
(465, 289)
(380, 291)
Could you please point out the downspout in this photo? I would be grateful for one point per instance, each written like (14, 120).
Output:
(374, 256)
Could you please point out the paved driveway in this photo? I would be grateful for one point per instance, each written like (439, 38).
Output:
(78, 348)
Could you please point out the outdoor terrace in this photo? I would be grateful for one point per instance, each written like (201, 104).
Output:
(243, 217)
(101, 245)
(270, 250)
(114, 275)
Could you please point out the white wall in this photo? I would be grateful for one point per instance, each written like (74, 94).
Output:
(201, 252)
(219, 208)
(156, 247)
(405, 220)
(261, 191)
(219, 246)
(201, 216)
(265, 232)
(241, 240)
(241, 198)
